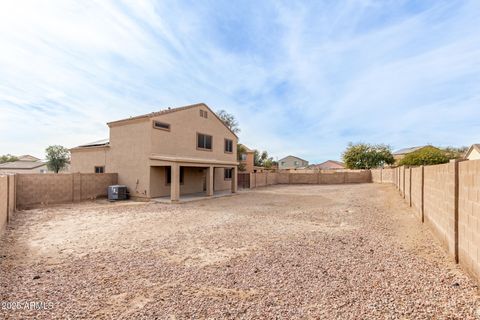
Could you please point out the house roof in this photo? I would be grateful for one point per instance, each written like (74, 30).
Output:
(332, 161)
(292, 157)
(475, 146)
(247, 149)
(407, 150)
(170, 110)
(21, 165)
(27, 157)
(97, 143)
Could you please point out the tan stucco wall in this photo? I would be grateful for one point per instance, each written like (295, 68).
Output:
(129, 153)
(220, 183)
(193, 181)
(249, 162)
(85, 160)
(289, 163)
(181, 140)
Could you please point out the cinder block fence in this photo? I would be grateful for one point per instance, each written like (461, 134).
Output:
(261, 179)
(447, 198)
(22, 191)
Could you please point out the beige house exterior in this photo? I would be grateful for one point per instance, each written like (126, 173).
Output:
(473, 152)
(291, 162)
(247, 159)
(173, 152)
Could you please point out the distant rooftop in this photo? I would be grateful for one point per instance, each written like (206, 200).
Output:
(21, 165)
(98, 143)
(27, 157)
(407, 150)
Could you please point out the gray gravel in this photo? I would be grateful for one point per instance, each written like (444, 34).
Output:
(330, 252)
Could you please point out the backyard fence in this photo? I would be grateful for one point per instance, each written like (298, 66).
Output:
(261, 179)
(29, 190)
(7, 199)
(447, 198)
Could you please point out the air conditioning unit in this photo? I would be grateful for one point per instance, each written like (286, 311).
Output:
(117, 192)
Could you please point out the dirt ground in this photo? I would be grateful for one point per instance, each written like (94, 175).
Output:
(330, 252)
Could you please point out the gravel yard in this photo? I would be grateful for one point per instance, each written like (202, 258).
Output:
(345, 251)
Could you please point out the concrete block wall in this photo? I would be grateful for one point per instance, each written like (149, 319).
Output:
(439, 202)
(283, 177)
(385, 175)
(304, 178)
(407, 192)
(416, 200)
(401, 180)
(3, 202)
(7, 199)
(272, 178)
(261, 179)
(469, 216)
(43, 189)
(447, 198)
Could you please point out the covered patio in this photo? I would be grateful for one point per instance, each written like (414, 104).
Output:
(181, 179)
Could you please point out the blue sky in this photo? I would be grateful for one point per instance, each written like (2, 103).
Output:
(302, 78)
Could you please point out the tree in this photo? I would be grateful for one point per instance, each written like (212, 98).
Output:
(241, 150)
(367, 156)
(229, 120)
(8, 158)
(426, 156)
(454, 152)
(261, 159)
(57, 158)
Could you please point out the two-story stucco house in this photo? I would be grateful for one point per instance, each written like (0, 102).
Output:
(291, 162)
(172, 152)
(247, 158)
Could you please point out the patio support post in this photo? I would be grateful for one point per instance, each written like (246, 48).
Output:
(234, 179)
(175, 183)
(210, 177)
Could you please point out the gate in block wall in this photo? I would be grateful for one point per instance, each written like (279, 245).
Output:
(244, 180)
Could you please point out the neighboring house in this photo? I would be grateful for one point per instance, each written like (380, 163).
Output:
(400, 154)
(247, 159)
(291, 162)
(27, 157)
(172, 152)
(473, 152)
(24, 164)
(329, 165)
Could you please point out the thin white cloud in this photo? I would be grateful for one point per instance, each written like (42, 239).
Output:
(302, 78)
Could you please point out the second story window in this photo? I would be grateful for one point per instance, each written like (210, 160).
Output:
(99, 169)
(243, 157)
(204, 141)
(161, 125)
(228, 146)
(203, 113)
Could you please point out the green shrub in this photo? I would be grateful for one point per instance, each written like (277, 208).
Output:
(366, 156)
(425, 156)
